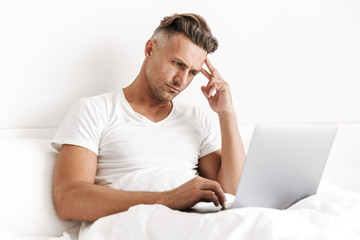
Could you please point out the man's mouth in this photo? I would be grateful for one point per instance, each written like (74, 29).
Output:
(174, 89)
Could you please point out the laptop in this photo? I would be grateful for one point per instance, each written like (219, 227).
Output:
(284, 164)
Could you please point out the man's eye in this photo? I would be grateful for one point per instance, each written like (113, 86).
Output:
(177, 63)
(193, 73)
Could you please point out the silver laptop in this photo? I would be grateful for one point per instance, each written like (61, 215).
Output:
(284, 164)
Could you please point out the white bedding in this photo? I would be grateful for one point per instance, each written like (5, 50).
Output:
(331, 214)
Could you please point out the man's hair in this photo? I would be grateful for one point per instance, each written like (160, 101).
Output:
(193, 26)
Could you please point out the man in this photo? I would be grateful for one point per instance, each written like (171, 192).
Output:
(107, 136)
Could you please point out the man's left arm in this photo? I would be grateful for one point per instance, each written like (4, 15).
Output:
(225, 165)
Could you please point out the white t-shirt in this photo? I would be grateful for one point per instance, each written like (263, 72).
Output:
(125, 141)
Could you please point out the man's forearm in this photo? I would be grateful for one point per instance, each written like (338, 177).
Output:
(83, 201)
(233, 153)
(87, 202)
(217, 92)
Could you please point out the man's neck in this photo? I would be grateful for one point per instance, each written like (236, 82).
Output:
(142, 102)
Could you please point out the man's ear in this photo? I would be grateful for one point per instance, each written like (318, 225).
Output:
(149, 47)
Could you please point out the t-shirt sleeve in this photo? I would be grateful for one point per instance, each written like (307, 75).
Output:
(82, 126)
(211, 138)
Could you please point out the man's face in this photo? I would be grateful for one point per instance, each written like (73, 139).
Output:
(171, 65)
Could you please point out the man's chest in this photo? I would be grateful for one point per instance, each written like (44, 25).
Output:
(134, 142)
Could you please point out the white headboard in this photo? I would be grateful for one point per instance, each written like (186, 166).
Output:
(287, 61)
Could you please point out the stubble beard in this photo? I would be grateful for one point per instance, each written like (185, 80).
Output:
(163, 94)
(159, 92)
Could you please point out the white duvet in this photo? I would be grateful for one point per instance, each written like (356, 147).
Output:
(330, 214)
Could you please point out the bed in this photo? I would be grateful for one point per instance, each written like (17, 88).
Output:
(27, 211)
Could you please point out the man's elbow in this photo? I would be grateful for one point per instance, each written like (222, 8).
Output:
(61, 204)
(65, 202)
(229, 185)
(231, 190)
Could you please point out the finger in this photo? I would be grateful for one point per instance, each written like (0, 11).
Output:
(219, 192)
(221, 196)
(206, 74)
(211, 91)
(216, 188)
(210, 196)
(203, 89)
(205, 92)
(210, 66)
(210, 87)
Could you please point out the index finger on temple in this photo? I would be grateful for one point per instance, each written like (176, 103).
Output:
(206, 74)
(209, 65)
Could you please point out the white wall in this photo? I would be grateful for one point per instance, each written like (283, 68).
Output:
(287, 61)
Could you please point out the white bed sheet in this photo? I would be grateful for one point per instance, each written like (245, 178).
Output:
(333, 213)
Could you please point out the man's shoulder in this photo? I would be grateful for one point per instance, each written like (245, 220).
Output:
(106, 97)
(103, 100)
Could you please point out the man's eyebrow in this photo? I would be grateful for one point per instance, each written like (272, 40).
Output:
(185, 65)
(181, 62)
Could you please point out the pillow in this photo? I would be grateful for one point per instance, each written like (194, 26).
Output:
(7, 235)
(25, 181)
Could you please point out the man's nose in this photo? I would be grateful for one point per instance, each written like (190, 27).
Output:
(181, 78)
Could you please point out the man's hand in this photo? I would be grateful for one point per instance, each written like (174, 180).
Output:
(196, 190)
(220, 102)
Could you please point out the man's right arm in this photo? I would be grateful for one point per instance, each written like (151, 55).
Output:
(76, 197)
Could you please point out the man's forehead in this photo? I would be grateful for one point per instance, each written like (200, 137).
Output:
(186, 50)
(191, 60)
